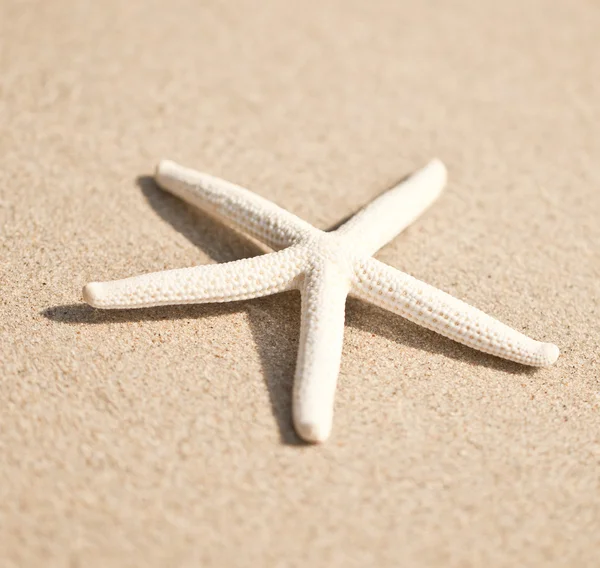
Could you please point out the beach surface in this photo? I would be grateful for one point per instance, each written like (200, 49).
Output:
(162, 437)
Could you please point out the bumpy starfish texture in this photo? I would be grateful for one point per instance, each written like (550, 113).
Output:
(325, 267)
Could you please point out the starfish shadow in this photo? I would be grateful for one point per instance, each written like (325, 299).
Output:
(274, 320)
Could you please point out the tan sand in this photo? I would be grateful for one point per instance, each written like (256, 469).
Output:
(162, 437)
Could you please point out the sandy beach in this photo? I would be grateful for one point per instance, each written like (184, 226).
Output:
(163, 437)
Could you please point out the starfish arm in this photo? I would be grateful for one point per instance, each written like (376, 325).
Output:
(431, 308)
(389, 214)
(241, 208)
(238, 280)
(321, 335)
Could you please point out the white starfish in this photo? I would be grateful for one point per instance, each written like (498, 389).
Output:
(325, 267)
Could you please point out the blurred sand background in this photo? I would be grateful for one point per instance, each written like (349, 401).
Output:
(162, 437)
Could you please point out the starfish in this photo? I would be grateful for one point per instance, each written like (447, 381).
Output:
(326, 267)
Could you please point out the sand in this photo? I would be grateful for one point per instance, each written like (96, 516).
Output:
(162, 437)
